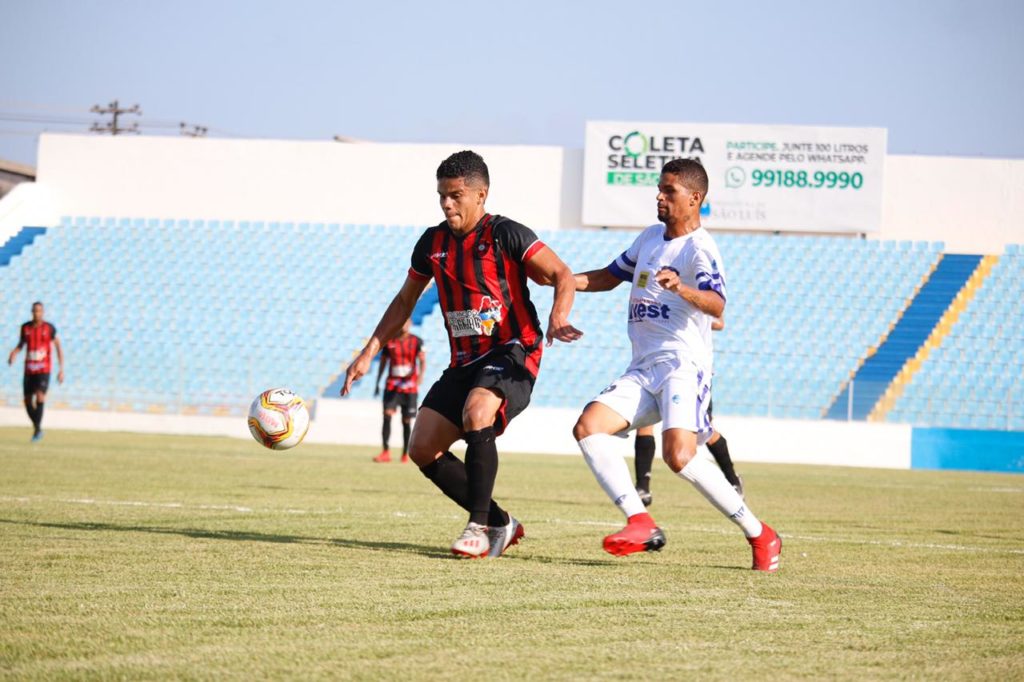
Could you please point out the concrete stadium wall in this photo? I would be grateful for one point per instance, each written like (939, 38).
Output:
(166, 177)
(974, 205)
(542, 431)
(548, 431)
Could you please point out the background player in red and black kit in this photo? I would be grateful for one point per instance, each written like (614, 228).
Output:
(480, 263)
(37, 336)
(406, 363)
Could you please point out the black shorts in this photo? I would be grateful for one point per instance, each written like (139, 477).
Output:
(503, 370)
(34, 383)
(407, 401)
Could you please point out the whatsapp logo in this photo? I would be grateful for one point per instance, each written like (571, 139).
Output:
(735, 177)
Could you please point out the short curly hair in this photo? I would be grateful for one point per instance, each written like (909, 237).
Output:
(691, 173)
(464, 164)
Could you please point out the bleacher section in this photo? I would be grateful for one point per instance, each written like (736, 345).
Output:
(974, 378)
(194, 316)
(198, 316)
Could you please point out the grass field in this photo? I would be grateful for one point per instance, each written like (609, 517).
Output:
(152, 557)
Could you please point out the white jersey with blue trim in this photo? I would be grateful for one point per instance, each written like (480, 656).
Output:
(662, 326)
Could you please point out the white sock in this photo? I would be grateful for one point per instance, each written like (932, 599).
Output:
(707, 478)
(611, 472)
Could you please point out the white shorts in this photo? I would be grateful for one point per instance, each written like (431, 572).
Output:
(677, 396)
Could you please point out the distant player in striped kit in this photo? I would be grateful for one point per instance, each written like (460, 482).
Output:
(36, 337)
(405, 361)
(480, 263)
(677, 289)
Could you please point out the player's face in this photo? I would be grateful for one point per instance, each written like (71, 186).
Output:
(462, 202)
(675, 200)
(37, 313)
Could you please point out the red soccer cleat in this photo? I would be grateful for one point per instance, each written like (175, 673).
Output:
(405, 458)
(639, 535)
(767, 547)
(383, 458)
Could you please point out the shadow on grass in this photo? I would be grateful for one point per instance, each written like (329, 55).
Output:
(242, 536)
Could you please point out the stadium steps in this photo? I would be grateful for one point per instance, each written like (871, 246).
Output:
(941, 330)
(911, 331)
(16, 244)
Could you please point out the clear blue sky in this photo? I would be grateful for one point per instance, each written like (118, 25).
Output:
(945, 77)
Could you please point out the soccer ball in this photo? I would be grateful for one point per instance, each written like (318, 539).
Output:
(278, 419)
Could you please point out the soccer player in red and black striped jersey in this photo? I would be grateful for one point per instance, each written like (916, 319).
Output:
(479, 263)
(405, 362)
(36, 337)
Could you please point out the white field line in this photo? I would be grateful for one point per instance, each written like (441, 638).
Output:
(894, 543)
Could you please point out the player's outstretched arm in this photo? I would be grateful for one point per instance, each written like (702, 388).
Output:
(548, 269)
(14, 354)
(390, 324)
(596, 280)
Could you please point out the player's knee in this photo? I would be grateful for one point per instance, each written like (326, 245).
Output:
(476, 417)
(677, 458)
(584, 427)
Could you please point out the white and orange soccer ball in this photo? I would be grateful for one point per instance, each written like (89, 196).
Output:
(278, 419)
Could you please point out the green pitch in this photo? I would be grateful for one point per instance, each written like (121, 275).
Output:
(141, 557)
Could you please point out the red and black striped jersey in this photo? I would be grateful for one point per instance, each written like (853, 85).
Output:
(481, 284)
(403, 372)
(37, 339)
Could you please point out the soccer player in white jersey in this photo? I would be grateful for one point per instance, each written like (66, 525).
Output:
(678, 288)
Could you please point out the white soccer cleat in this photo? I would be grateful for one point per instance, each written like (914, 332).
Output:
(473, 543)
(503, 537)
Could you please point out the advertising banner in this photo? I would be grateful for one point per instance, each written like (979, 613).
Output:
(786, 178)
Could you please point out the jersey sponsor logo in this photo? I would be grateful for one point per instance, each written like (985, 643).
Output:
(401, 370)
(646, 309)
(439, 255)
(642, 280)
(475, 322)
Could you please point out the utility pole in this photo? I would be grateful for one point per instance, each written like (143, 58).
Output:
(114, 110)
(193, 130)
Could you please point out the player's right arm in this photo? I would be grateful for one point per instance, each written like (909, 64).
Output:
(17, 349)
(381, 364)
(596, 280)
(615, 273)
(390, 324)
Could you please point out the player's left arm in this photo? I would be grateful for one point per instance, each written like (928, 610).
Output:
(546, 268)
(709, 295)
(60, 358)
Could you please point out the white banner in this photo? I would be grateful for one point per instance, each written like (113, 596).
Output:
(798, 178)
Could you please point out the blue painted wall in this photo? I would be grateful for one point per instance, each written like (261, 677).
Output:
(967, 449)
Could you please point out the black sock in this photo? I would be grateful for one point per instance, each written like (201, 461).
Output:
(720, 449)
(481, 470)
(30, 408)
(39, 415)
(406, 430)
(385, 431)
(643, 450)
(448, 473)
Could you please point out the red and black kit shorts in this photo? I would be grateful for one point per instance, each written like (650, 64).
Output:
(33, 383)
(406, 401)
(503, 370)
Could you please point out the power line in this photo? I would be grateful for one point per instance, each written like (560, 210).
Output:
(115, 111)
